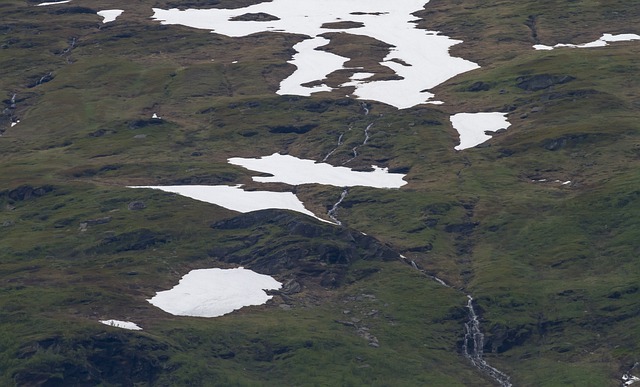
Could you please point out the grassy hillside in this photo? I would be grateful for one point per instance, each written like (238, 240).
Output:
(552, 266)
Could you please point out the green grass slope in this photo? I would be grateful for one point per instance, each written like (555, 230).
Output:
(552, 267)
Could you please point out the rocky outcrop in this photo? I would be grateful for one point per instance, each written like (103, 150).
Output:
(106, 358)
(26, 192)
(542, 81)
(305, 249)
(259, 16)
(298, 129)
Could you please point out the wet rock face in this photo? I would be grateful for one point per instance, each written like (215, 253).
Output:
(542, 81)
(306, 249)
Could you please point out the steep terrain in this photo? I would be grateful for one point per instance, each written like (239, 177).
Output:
(540, 225)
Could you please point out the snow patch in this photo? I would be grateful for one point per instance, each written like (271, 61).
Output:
(236, 199)
(311, 65)
(110, 15)
(215, 292)
(122, 324)
(292, 170)
(602, 42)
(420, 58)
(53, 3)
(472, 127)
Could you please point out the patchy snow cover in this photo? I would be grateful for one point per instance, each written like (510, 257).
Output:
(312, 65)
(292, 170)
(421, 58)
(53, 3)
(122, 324)
(215, 292)
(110, 15)
(236, 199)
(472, 127)
(602, 42)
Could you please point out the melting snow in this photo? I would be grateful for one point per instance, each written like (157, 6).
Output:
(602, 42)
(312, 65)
(110, 15)
(122, 324)
(472, 127)
(236, 199)
(53, 3)
(423, 55)
(215, 292)
(292, 170)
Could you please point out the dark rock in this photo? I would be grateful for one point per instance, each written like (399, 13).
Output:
(403, 170)
(479, 86)
(505, 152)
(542, 81)
(72, 10)
(291, 287)
(137, 240)
(318, 107)
(431, 222)
(102, 132)
(137, 205)
(421, 249)
(301, 129)
(501, 338)
(342, 25)
(306, 248)
(93, 222)
(259, 17)
(139, 124)
(570, 140)
(438, 208)
(27, 192)
(461, 228)
(111, 359)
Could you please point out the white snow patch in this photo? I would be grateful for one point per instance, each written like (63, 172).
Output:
(472, 127)
(215, 292)
(236, 199)
(15, 123)
(110, 15)
(566, 182)
(156, 116)
(311, 65)
(53, 3)
(122, 324)
(629, 379)
(602, 42)
(425, 57)
(292, 170)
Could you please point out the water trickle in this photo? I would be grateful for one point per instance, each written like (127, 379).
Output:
(333, 212)
(473, 347)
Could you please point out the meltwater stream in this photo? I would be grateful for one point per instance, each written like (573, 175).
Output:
(473, 347)
(473, 336)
